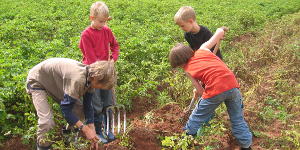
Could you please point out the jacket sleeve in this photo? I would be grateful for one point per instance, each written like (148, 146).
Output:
(66, 106)
(88, 108)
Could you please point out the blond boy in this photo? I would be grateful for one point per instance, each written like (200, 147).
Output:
(194, 34)
(96, 43)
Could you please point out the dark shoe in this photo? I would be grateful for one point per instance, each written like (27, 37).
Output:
(43, 148)
(71, 138)
(188, 133)
(110, 136)
(102, 139)
(67, 136)
(249, 148)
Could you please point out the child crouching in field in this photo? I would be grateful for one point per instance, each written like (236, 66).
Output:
(221, 86)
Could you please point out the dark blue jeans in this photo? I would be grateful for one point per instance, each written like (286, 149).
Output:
(101, 100)
(233, 101)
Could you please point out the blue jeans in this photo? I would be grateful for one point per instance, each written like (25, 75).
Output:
(206, 107)
(101, 100)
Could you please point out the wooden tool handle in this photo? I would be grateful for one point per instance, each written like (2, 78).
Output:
(113, 93)
(191, 104)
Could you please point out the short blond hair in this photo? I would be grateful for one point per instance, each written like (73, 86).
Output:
(180, 54)
(185, 13)
(99, 8)
(105, 73)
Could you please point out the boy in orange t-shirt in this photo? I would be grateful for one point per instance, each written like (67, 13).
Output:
(221, 86)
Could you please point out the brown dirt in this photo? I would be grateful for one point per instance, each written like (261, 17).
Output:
(143, 133)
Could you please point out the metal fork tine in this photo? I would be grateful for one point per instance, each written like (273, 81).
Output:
(119, 120)
(107, 120)
(124, 118)
(113, 121)
(113, 117)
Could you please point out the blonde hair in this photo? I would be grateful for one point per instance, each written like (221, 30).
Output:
(99, 8)
(180, 54)
(104, 72)
(184, 14)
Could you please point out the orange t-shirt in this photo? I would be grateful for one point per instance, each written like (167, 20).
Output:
(210, 70)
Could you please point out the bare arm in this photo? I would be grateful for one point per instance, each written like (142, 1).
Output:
(197, 85)
(219, 35)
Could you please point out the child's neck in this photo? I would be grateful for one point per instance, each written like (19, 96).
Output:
(92, 26)
(195, 28)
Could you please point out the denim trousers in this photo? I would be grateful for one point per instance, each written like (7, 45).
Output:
(101, 100)
(234, 104)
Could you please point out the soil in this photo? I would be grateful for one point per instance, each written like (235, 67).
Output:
(146, 125)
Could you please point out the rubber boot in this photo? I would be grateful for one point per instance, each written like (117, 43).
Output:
(98, 128)
(110, 136)
(43, 148)
(71, 138)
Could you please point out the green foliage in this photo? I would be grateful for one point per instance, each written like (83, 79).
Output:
(270, 75)
(175, 142)
(179, 87)
(32, 31)
(125, 139)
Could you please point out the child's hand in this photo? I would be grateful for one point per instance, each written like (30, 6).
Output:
(221, 31)
(225, 29)
(196, 94)
(112, 62)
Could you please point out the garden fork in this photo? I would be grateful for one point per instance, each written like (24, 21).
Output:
(113, 107)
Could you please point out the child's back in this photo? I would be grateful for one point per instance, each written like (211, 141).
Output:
(207, 68)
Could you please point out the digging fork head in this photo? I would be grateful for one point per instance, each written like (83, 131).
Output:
(113, 108)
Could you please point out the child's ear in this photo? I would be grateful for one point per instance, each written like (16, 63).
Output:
(191, 21)
(91, 17)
